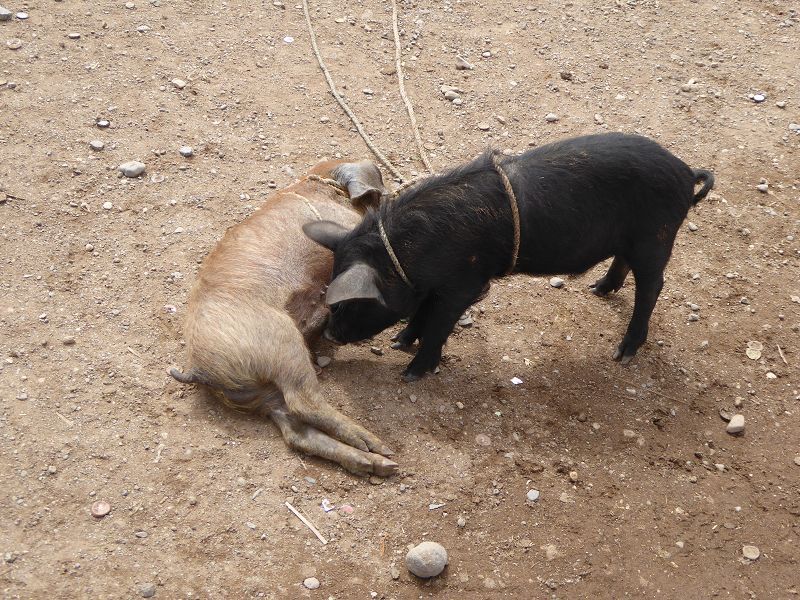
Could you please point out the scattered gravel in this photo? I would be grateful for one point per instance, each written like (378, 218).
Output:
(132, 168)
(100, 509)
(735, 425)
(751, 552)
(311, 583)
(427, 559)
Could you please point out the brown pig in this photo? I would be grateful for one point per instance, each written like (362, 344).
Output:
(258, 302)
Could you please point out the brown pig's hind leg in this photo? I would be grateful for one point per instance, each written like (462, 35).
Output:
(310, 440)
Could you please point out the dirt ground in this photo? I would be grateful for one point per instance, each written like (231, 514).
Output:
(92, 301)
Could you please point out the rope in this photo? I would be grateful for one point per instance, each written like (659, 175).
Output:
(392, 255)
(331, 182)
(401, 84)
(378, 154)
(512, 200)
(310, 206)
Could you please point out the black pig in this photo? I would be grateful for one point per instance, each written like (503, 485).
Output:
(580, 201)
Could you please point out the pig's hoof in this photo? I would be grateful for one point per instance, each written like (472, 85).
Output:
(383, 467)
(411, 377)
(600, 288)
(624, 354)
(400, 346)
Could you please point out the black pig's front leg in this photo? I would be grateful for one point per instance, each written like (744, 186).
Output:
(442, 311)
(413, 331)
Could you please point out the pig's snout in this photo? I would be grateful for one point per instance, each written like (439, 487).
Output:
(329, 336)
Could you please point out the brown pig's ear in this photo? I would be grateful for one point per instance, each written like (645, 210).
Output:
(363, 182)
(356, 283)
(326, 233)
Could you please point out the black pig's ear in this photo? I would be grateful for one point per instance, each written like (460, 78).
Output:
(356, 283)
(363, 182)
(326, 233)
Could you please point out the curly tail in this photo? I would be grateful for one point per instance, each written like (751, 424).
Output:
(707, 179)
(190, 377)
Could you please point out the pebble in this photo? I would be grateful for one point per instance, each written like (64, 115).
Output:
(186, 151)
(551, 117)
(751, 552)
(736, 424)
(323, 361)
(147, 590)
(797, 460)
(311, 583)
(68, 341)
(763, 188)
(462, 64)
(74, 35)
(556, 282)
(107, 206)
(376, 351)
(694, 317)
(14, 43)
(132, 168)
(465, 321)
(451, 95)
(427, 559)
(780, 104)
(100, 509)
(692, 226)
(102, 123)
(5, 14)
(458, 101)
(758, 98)
(21, 15)
(483, 440)
(573, 476)
(96, 145)
(532, 495)
(484, 126)
(178, 83)
(462, 522)
(598, 118)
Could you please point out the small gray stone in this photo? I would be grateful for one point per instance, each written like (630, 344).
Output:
(797, 460)
(532, 495)
(186, 151)
(465, 321)
(551, 117)
(5, 14)
(736, 424)
(428, 559)
(376, 351)
(107, 206)
(178, 83)
(312, 583)
(451, 95)
(147, 590)
(763, 188)
(751, 552)
(21, 15)
(462, 522)
(692, 226)
(96, 145)
(694, 317)
(102, 123)
(132, 168)
(74, 35)
(14, 43)
(458, 101)
(759, 98)
(462, 64)
(557, 282)
(780, 104)
(323, 361)
(484, 126)
(598, 118)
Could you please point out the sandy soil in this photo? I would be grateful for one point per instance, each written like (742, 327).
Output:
(196, 491)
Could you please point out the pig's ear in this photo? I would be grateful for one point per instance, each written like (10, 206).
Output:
(356, 283)
(326, 233)
(363, 182)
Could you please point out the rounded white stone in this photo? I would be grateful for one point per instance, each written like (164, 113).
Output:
(428, 559)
